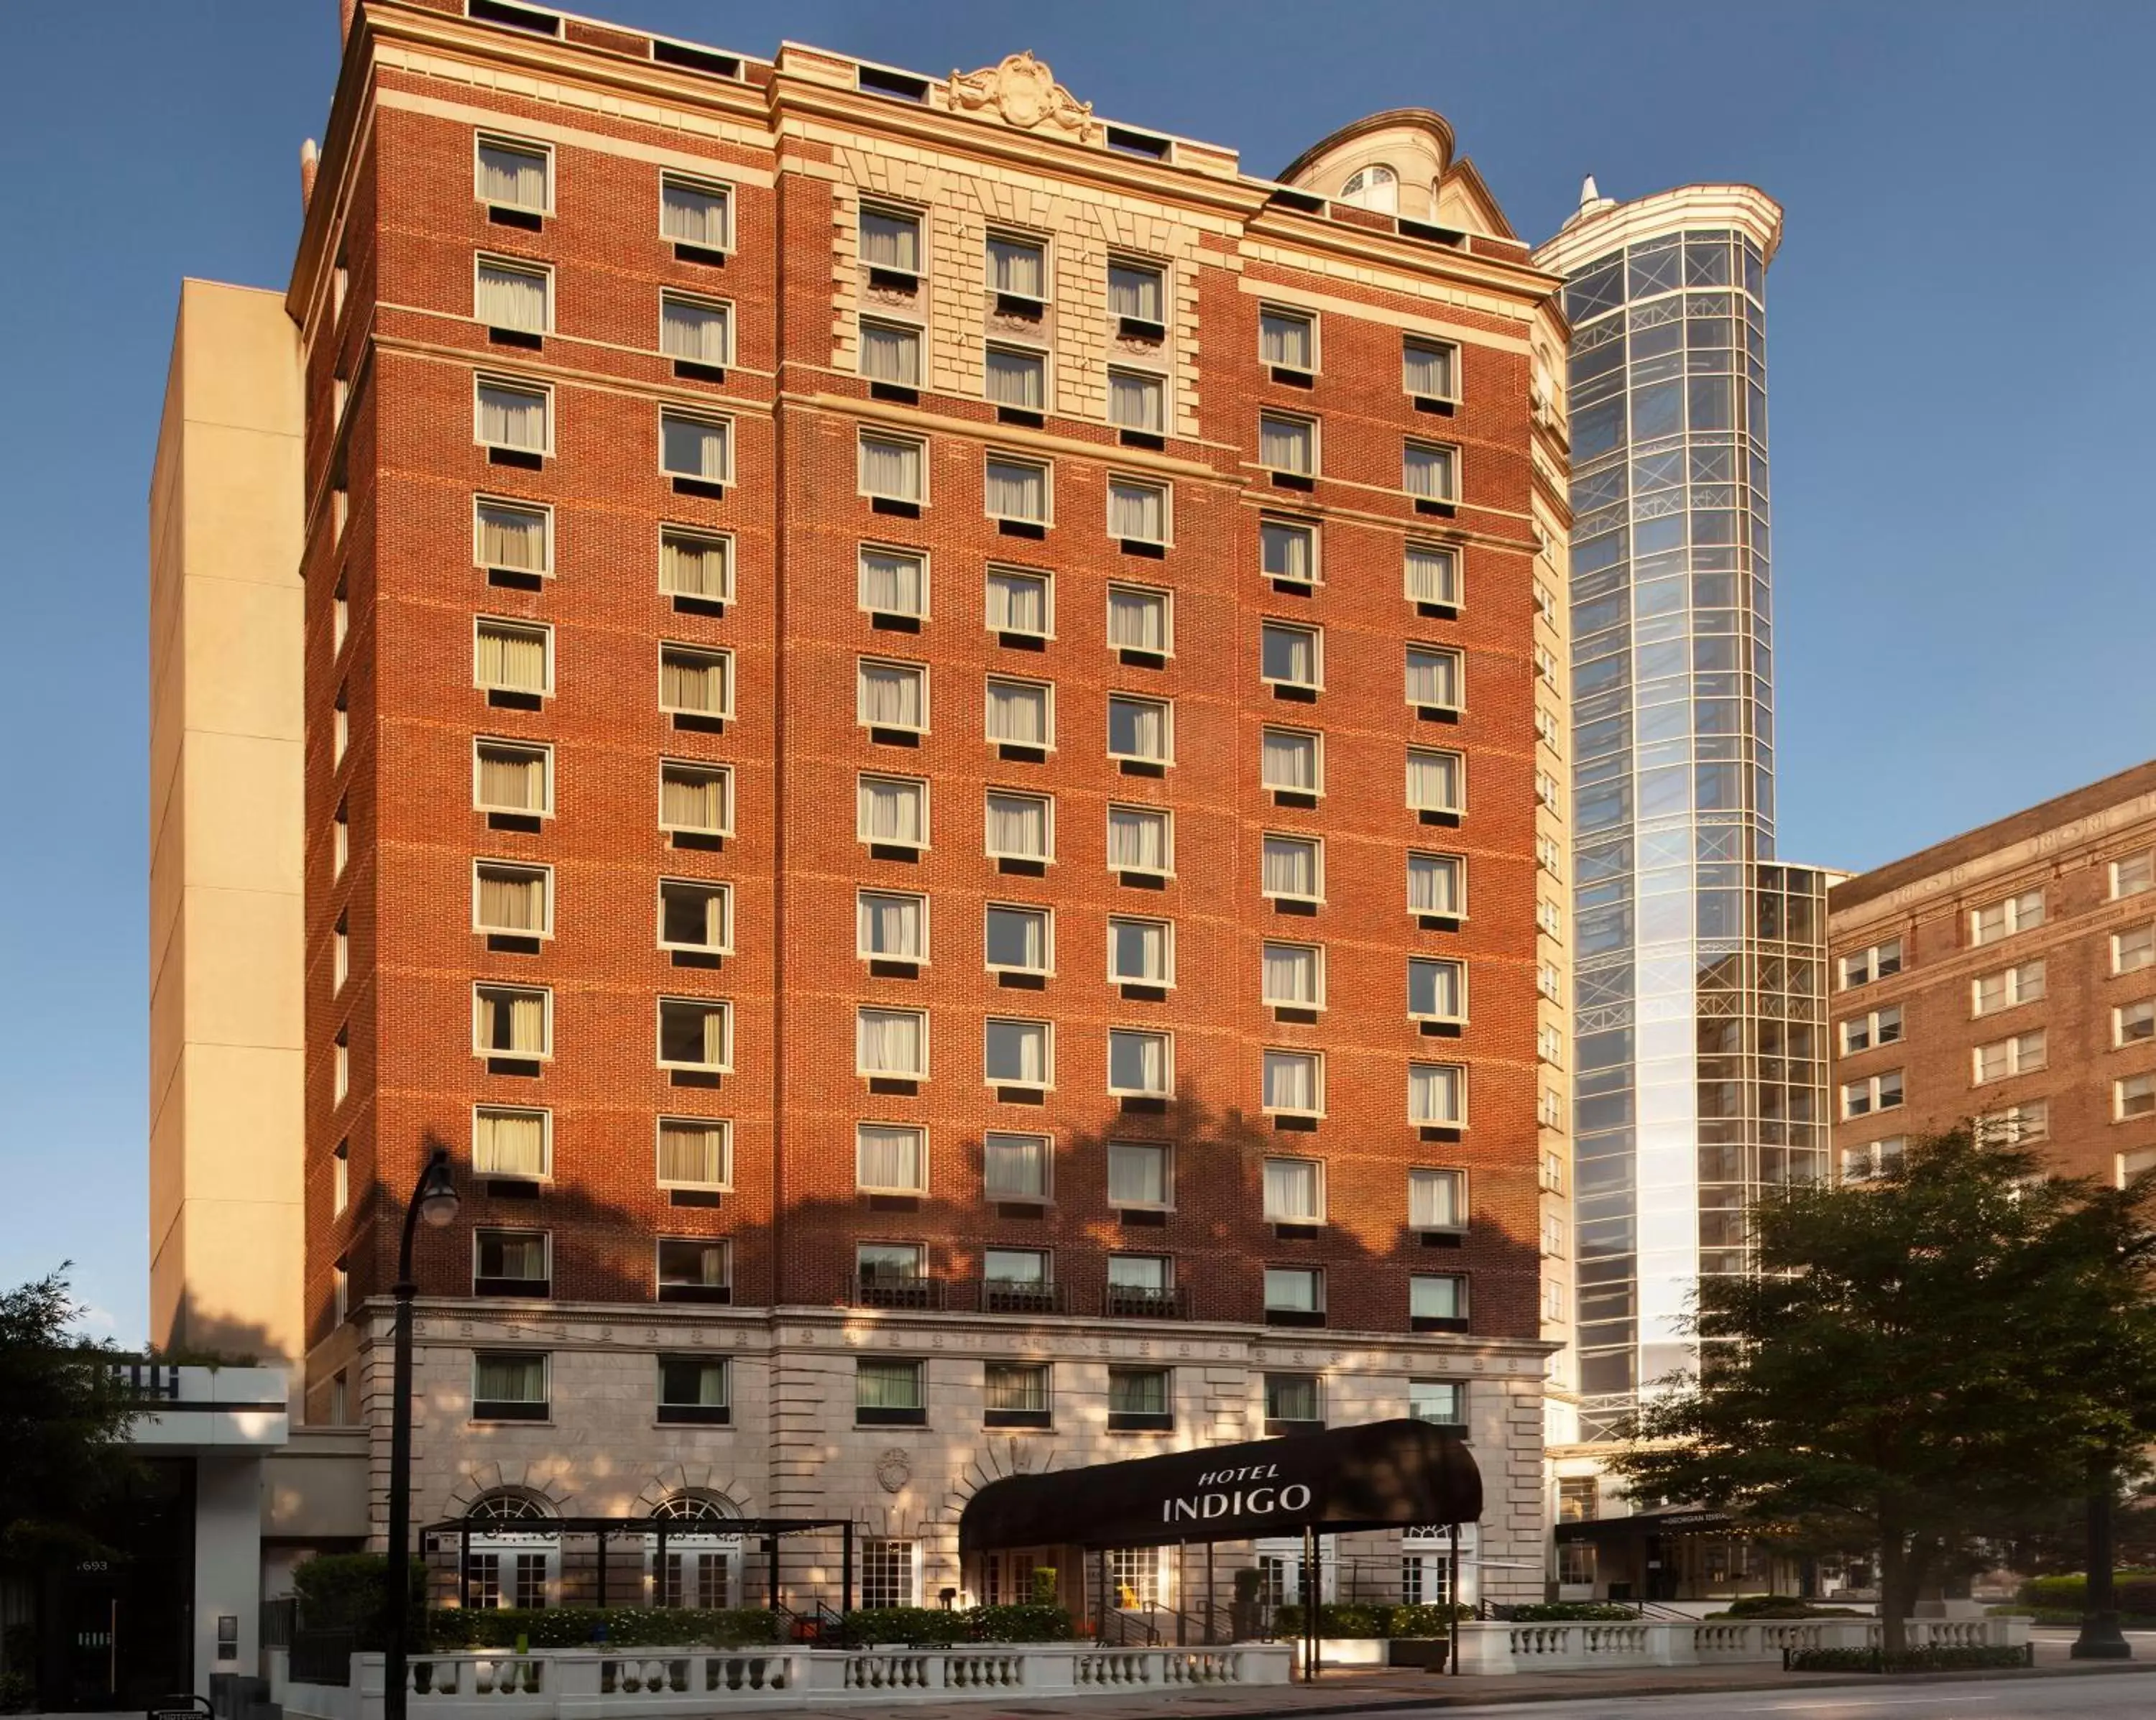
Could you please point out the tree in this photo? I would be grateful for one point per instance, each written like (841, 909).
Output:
(63, 1424)
(1923, 1357)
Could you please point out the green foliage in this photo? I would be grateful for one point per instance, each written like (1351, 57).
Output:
(1908, 1660)
(347, 1591)
(2134, 1591)
(18, 1692)
(623, 1627)
(936, 1625)
(1034, 1622)
(1347, 1619)
(1043, 1593)
(63, 1424)
(1782, 1606)
(1556, 1612)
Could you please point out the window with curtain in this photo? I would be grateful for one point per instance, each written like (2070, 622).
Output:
(890, 1262)
(509, 1377)
(1428, 472)
(1137, 728)
(1017, 377)
(1433, 677)
(1291, 1397)
(1295, 975)
(1137, 512)
(1288, 444)
(893, 809)
(510, 778)
(1427, 367)
(1288, 759)
(1287, 551)
(1293, 1289)
(698, 330)
(509, 536)
(1139, 839)
(511, 657)
(1016, 938)
(695, 1153)
(693, 564)
(1437, 1199)
(1434, 1296)
(890, 925)
(1138, 1392)
(515, 176)
(1288, 338)
(881, 1383)
(1014, 1166)
(1018, 827)
(1292, 865)
(1436, 1093)
(1433, 781)
(512, 296)
(891, 467)
(694, 1034)
(696, 448)
(890, 352)
(693, 914)
(1437, 990)
(1134, 290)
(514, 1021)
(516, 1254)
(1138, 1176)
(891, 240)
(893, 581)
(1437, 884)
(1137, 619)
(1433, 574)
(696, 798)
(698, 682)
(1137, 1061)
(1140, 951)
(1015, 1053)
(1018, 712)
(1017, 1387)
(1018, 602)
(890, 1158)
(510, 898)
(891, 695)
(510, 1142)
(1017, 489)
(891, 1042)
(684, 1381)
(1294, 1081)
(1289, 654)
(1018, 266)
(512, 417)
(1137, 401)
(695, 212)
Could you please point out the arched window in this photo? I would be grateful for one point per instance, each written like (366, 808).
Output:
(702, 1566)
(1372, 188)
(510, 1562)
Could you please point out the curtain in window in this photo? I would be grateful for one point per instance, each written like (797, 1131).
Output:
(693, 216)
(890, 355)
(514, 1021)
(1017, 605)
(1290, 869)
(1134, 292)
(511, 417)
(512, 782)
(508, 1144)
(1434, 781)
(1429, 473)
(1138, 1062)
(1291, 974)
(692, 1263)
(1137, 511)
(1017, 1050)
(1429, 370)
(1138, 842)
(890, 240)
(1433, 884)
(1016, 268)
(1291, 1397)
(1017, 826)
(1016, 378)
(1433, 1092)
(1290, 1082)
(887, 1385)
(1138, 1176)
(1017, 937)
(1284, 445)
(890, 695)
(890, 585)
(891, 811)
(1135, 401)
(1433, 678)
(890, 1042)
(1289, 761)
(693, 449)
(1434, 989)
(1017, 492)
(512, 902)
(511, 298)
(512, 176)
(1016, 1386)
(1014, 1165)
(890, 468)
(515, 660)
(693, 1033)
(1290, 655)
(1434, 1298)
(1433, 576)
(1433, 1199)
(513, 1257)
(1138, 729)
(1137, 621)
(697, 332)
(693, 801)
(1139, 948)
(1017, 713)
(509, 1380)
(692, 1153)
(890, 925)
(692, 684)
(512, 537)
(1138, 1392)
(1286, 551)
(693, 568)
(887, 1158)
(1285, 340)
(713, 918)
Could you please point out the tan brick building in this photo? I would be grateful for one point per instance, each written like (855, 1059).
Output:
(2009, 976)
(931, 736)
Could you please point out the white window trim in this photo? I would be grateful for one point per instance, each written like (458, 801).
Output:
(1160, 380)
(547, 1377)
(920, 1129)
(1166, 980)
(722, 652)
(1316, 1274)
(1047, 824)
(1047, 1083)
(545, 631)
(1167, 610)
(545, 1249)
(1452, 552)
(2013, 1060)
(1874, 1088)
(530, 146)
(1166, 816)
(1460, 1121)
(920, 1074)
(911, 552)
(2118, 1021)
(1313, 734)
(1292, 313)
(698, 301)
(2124, 859)
(919, 444)
(545, 752)
(724, 1005)
(710, 188)
(1167, 1090)
(1047, 1173)
(514, 265)
(920, 669)
(1465, 1184)
(544, 873)
(520, 385)
(545, 1113)
(2118, 1114)
(520, 504)
(1459, 706)
(1132, 480)
(892, 210)
(1459, 862)
(1458, 807)
(2117, 947)
(1166, 1204)
(726, 891)
(709, 767)
(1046, 467)
(692, 415)
(1047, 743)
(1430, 445)
(1322, 1213)
(702, 535)
(1316, 634)
(1869, 1023)
(1311, 423)
(927, 805)
(1047, 969)
(1317, 1093)
(1311, 530)
(1415, 336)
(1293, 836)
(1019, 348)
(1047, 578)
(1041, 243)
(920, 897)
(1865, 962)
(1460, 1019)
(1168, 707)
(1271, 1002)
(545, 1051)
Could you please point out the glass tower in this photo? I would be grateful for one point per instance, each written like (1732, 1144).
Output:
(1699, 1055)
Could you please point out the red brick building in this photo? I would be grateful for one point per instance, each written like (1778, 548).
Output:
(930, 728)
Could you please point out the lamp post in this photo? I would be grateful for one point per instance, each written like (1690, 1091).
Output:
(2100, 1638)
(435, 1199)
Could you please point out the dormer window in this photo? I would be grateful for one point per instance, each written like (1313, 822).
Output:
(1373, 187)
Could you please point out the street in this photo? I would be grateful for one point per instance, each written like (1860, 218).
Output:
(2118, 1693)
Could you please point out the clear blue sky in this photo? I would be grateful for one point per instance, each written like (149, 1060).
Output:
(1958, 363)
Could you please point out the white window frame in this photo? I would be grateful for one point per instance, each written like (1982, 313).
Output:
(2119, 1042)
(1461, 1209)
(1309, 630)
(864, 435)
(2012, 909)
(1871, 1024)
(1166, 816)
(2119, 947)
(1162, 386)
(725, 1007)
(1167, 1089)
(1047, 1189)
(1452, 553)
(1289, 313)
(1312, 531)
(919, 1131)
(721, 422)
(1412, 338)
(1458, 862)
(523, 145)
(921, 900)
(1137, 265)
(700, 301)
(513, 385)
(1011, 571)
(721, 540)
(1317, 870)
(1459, 808)
(1315, 1276)
(1314, 735)
(920, 783)
(1047, 1082)
(1160, 487)
(892, 325)
(1166, 978)
(1047, 824)
(544, 993)
(1139, 588)
(707, 767)
(1317, 1058)
(1873, 1095)
(990, 681)
(1417, 958)
(1460, 1085)
(1451, 455)
(887, 1009)
(1013, 237)
(2016, 1056)
(544, 874)
(1167, 707)
(1265, 1192)
(1010, 348)
(862, 665)
(544, 511)
(546, 1116)
(1046, 467)
(527, 266)
(1294, 943)
(2119, 1100)
(1047, 969)
(720, 188)
(1458, 704)
(1165, 1204)
(1862, 968)
(895, 212)
(721, 654)
(543, 631)
(724, 890)
(542, 751)
(902, 552)
(2143, 864)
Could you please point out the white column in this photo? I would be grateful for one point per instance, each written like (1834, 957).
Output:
(227, 1562)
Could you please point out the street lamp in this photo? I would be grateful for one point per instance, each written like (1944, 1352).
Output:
(434, 1199)
(2100, 1639)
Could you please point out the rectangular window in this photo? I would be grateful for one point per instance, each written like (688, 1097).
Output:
(695, 682)
(1018, 1053)
(512, 1141)
(1435, 781)
(1444, 1401)
(1015, 1394)
(888, 1574)
(1293, 1399)
(1877, 1092)
(1291, 761)
(1294, 1082)
(696, 799)
(341, 1173)
(2007, 988)
(1287, 338)
(1433, 678)
(2132, 950)
(890, 352)
(2016, 1056)
(695, 211)
(1291, 656)
(889, 926)
(1020, 601)
(1430, 472)
(1139, 1400)
(890, 239)
(891, 1159)
(512, 657)
(1287, 549)
(695, 564)
(514, 416)
(512, 1020)
(1866, 966)
(1288, 445)
(1019, 826)
(2134, 1023)
(1428, 368)
(2017, 1125)
(511, 899)
(514, 175)
(1437, 990)
(1016, 490)
(1135, 293)
(1294, 976)
(1141, 839)
(1437, 1295)
(891, 1262)
(1295, 1290)
(1292, 867)
(1015, 1167)
(892, 467)
(1137, 511)
(508, 1385)
(1437, 1199)
(701, 448)
(698, 330)
(891, 1042)
(694, 914)
(1882, 1026)
(694, 1389)
(1140, 729)
(695, 1033)
(890, 695)
(512, 536)
(695, 1153)
(1018, 268)
(892, 581)
(1016, 376)
(888, 1390)
(512, 296)
(510, 1263)
(1437, 1095)
(2133, 1096)
(1016, 939)
(1437, 883)
(2133, 875)
(1020, 713)
(1137, 401)
(1139, 1175)
(1433, 576)
(1141, 1064)
(2002, 920)
(1139, 620)
(892, 809)
(1141, 952)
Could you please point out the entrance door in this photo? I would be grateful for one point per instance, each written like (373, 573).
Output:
(127, 1616)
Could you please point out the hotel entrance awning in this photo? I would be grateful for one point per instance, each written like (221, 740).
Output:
(1399, 1474)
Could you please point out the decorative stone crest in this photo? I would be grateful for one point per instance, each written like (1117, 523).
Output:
(1022, 92)
(893, 1470)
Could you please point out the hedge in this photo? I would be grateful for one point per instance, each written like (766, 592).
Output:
(346, 1591)
(1571, 1612)
(937, 1625)
(1782, 1607)
(2135, 1591)
(452, 1627)
(1909, 1660)
(1337, 1618)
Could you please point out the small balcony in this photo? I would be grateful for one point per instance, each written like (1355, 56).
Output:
(1018, 1295)
(914, 1292)
(1143, 1302)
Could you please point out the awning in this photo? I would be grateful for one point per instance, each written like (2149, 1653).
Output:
(1664, 1520)
(1379, 1475)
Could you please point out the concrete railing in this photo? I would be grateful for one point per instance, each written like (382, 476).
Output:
(1585, 1645)
(586, 1684)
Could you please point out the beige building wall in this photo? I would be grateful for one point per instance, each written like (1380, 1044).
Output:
(226, 721)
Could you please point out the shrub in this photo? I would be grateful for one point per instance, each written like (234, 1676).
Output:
(1782, 1607)
(1910, 1660)
(938, 1626)
(622, 1627)
(1567, 1612)
(2135, 1591)
(346, 1591)
(1338, 1620)
(17, 1694)
(1043, 1592)
(1037, 1621)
